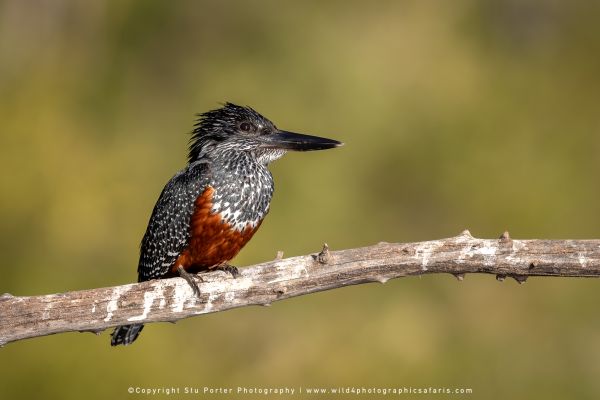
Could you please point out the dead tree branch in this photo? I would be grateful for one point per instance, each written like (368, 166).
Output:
(172, 299)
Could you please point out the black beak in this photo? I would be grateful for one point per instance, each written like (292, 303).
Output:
(298, 142)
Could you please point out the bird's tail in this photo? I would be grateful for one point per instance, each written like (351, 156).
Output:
(125, 334)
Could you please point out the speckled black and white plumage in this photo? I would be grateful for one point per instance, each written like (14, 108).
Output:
(229, 152)
(242, 194)
(235, 169)
(168, 229)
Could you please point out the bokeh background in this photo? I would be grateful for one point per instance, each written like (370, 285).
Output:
(464, 114)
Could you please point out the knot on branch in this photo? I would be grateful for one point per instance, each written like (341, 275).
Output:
(324, 257)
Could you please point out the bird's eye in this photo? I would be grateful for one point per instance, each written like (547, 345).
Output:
(245, 126)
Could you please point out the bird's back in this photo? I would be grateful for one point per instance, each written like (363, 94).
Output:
(168, 231)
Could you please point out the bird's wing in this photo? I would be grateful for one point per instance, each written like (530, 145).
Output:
(168, 231)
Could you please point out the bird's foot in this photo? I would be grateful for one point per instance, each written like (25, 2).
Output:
(232, 269)
(190, 280)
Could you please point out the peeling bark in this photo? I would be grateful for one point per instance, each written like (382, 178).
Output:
(172, 299)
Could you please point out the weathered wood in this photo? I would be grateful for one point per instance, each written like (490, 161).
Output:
(172, 299)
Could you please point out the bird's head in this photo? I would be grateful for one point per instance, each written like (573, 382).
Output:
(237, 128)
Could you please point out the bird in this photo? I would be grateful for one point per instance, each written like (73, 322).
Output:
(212, 207)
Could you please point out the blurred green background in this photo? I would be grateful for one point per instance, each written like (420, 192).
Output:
(464, 114)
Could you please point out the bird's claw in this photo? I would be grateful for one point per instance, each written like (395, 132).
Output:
(232, 269)
(190, 280)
